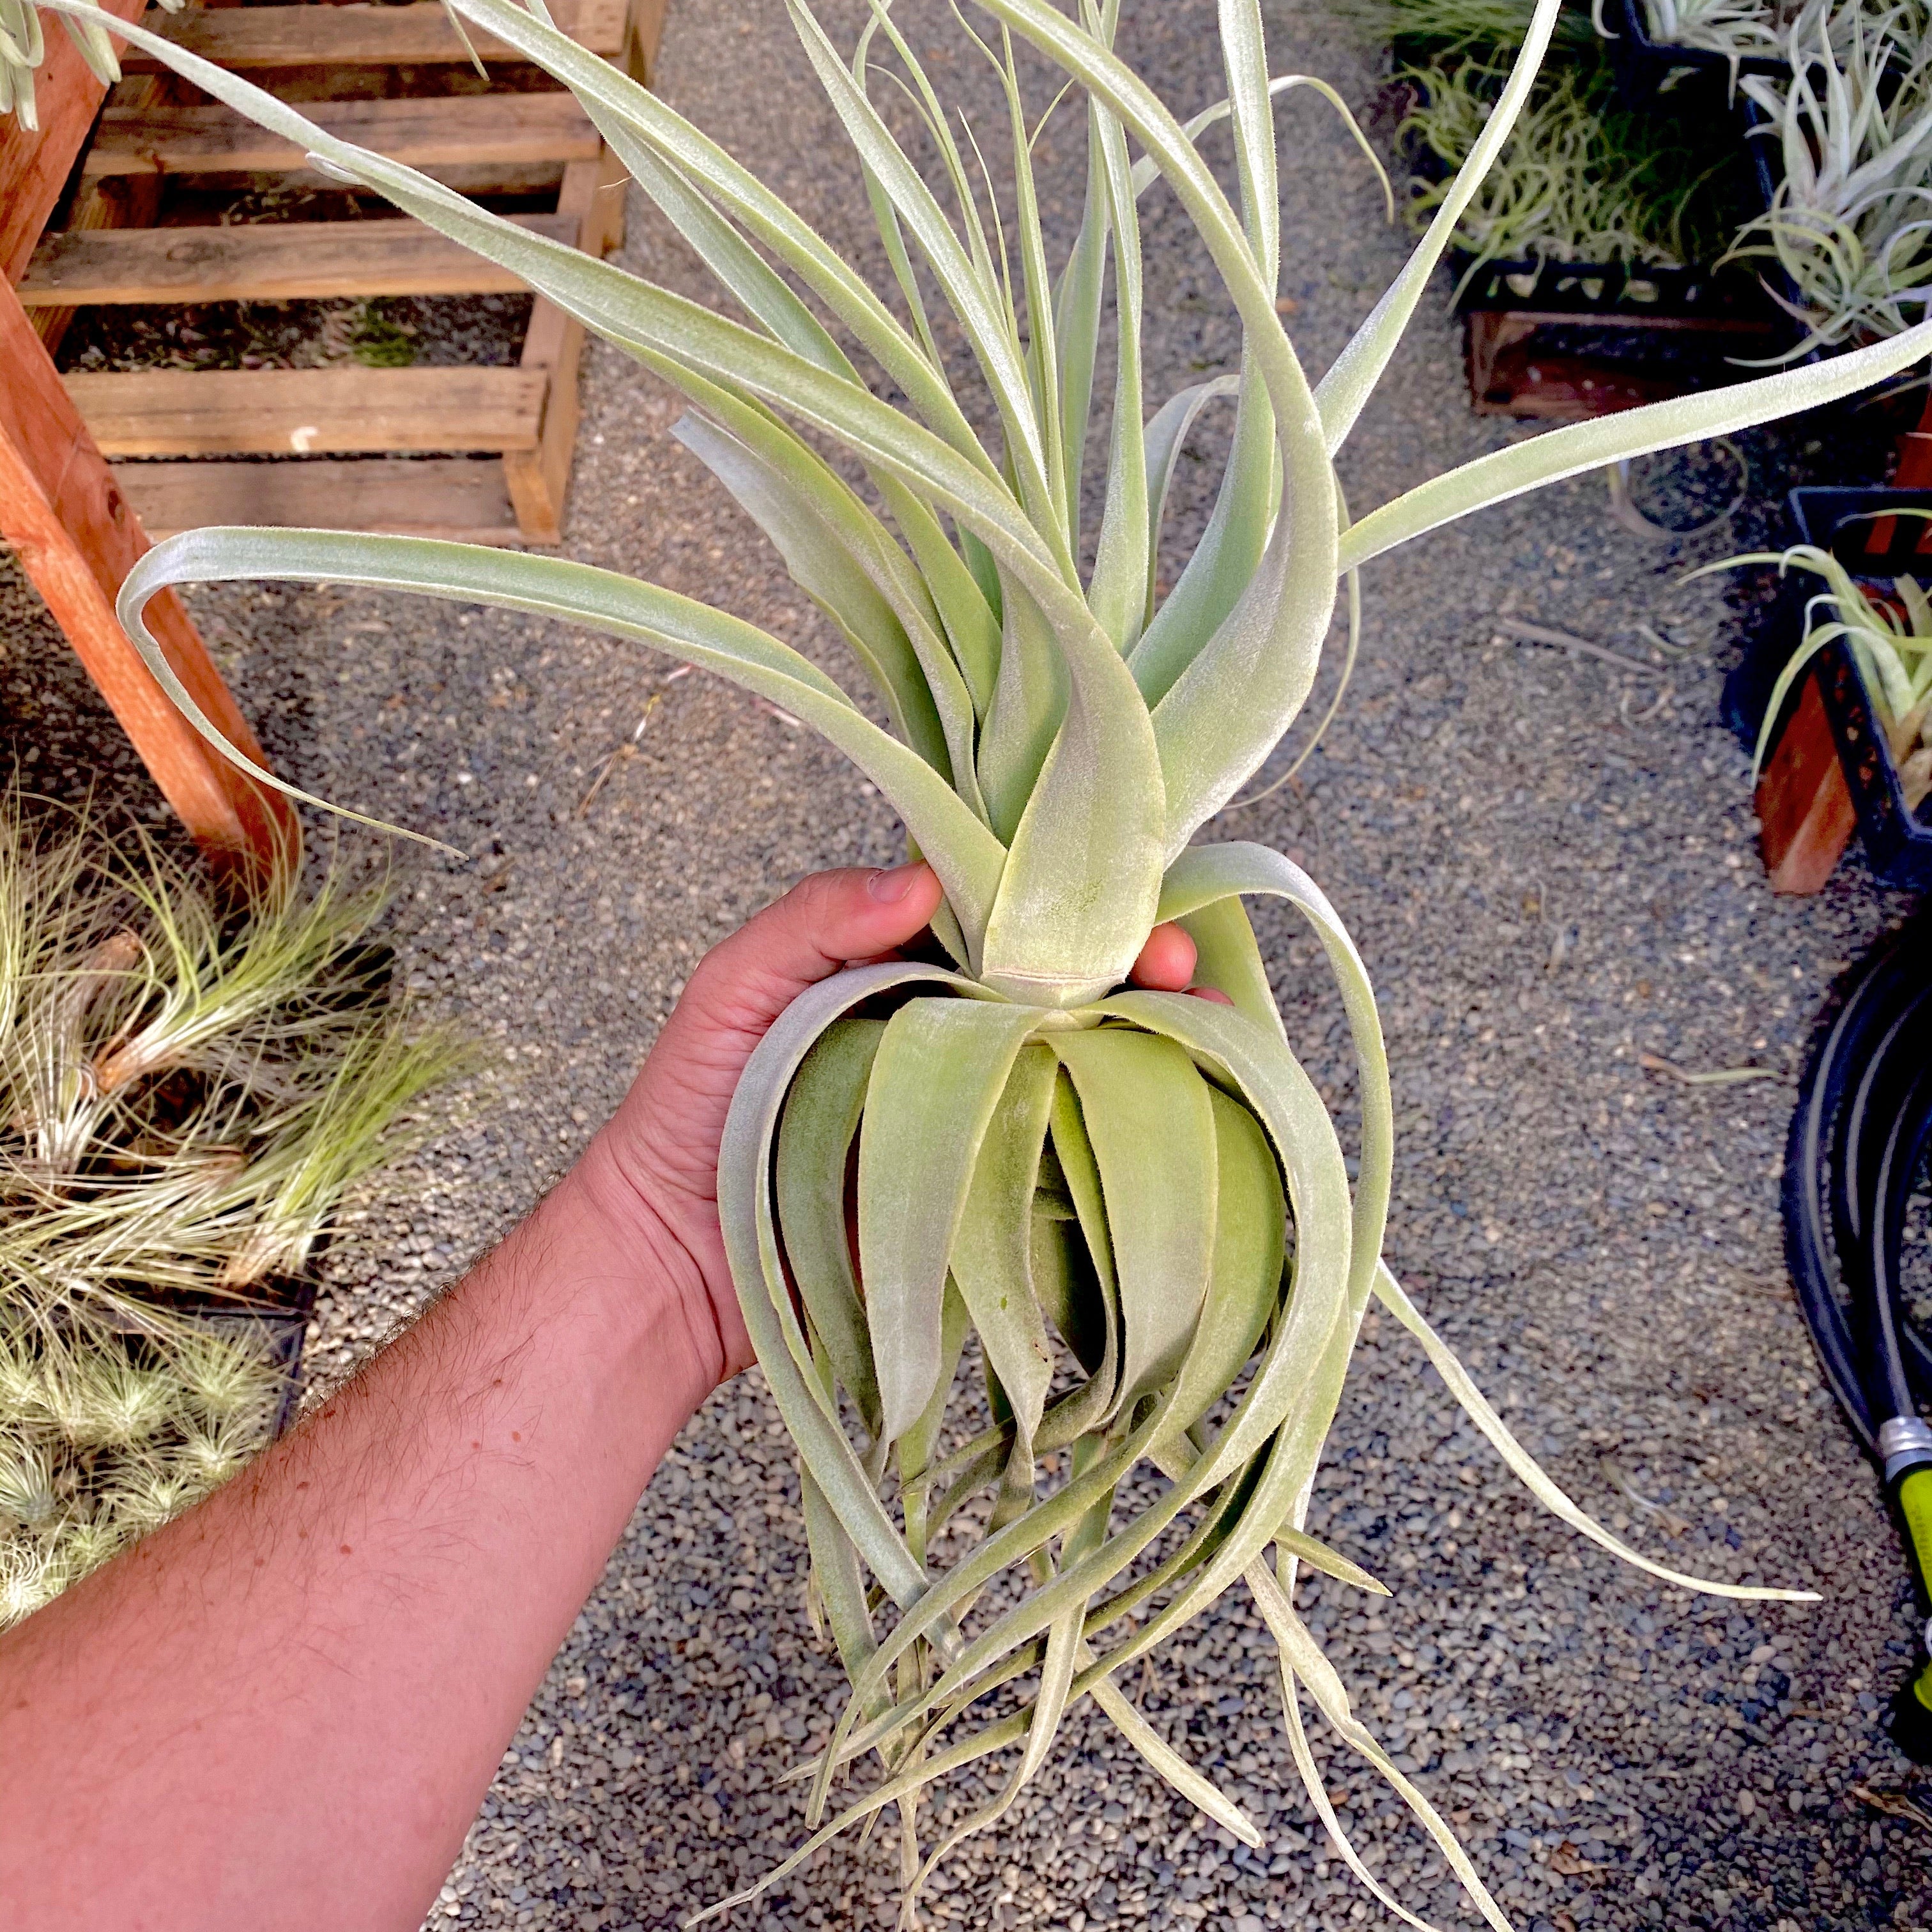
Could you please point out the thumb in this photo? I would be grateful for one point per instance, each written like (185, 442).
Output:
(824, 922)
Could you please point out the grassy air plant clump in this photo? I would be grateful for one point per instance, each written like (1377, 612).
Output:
(1582, 177)
(186, 1089)
(1851, 222)
(1889, 637)
(105, 1434)
(1137, 1202)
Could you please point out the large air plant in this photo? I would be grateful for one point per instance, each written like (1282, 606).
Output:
(1042, 1157)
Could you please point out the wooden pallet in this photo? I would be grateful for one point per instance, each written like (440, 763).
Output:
(482, 454)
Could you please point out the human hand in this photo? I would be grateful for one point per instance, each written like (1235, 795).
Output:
(655, 1167)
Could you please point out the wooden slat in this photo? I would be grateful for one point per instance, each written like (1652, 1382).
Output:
(1805, 814)
(359, 35)
(640, 59)
(309, 412)
(126, 201)
(454, 130)
(460, 497)
(539, 478)
(267, 262)
(34, 166)
(77, 538)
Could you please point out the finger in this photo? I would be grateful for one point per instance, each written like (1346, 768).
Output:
(1212, 993)
(1167, 960)
(822, 923)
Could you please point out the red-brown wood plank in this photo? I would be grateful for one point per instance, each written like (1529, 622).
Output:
(1805, 815)
(77, 539)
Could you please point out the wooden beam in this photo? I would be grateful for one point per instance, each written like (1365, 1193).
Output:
(309, 412)
(492, 129)
(640, 57)
(269, 261)
(77, 538)
(539, 478)
(461, 498)
(359, 35)
(34, 166)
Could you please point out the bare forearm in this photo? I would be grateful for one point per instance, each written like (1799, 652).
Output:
(284, 1708)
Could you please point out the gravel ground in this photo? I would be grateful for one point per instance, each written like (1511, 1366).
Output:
(1548, 865)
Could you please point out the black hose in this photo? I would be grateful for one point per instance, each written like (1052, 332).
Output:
(1857, 1151)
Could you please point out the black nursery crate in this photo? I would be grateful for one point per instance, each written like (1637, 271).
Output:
(1761, 145)
(1897, 840)
(1613, 293)
(1643, 66)
(284, 1330)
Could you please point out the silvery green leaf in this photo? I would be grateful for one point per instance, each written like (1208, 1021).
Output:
(966, 856)
(1151, 1126)
(938, 1078)
(992, 1254)
(815, 1136)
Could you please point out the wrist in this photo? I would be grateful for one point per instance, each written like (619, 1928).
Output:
(655, 1265)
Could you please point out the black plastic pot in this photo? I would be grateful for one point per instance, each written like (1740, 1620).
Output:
(284, 1331)
(1897, 840)
(1601, 292)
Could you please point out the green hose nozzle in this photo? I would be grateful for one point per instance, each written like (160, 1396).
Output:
(1911, 1715)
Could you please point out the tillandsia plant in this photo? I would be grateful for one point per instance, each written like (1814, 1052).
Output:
(105, 1432)
(185, 1090)
(1851, 222)
(1037, 1155)
(1889, 638)
(1451, 24)
(1734, 28)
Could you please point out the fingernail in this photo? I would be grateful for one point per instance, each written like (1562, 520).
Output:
(889, 886)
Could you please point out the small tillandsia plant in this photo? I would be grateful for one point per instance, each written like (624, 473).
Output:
(1890, 640)
(1851, 222)
(23, 47)
(1153, 1176)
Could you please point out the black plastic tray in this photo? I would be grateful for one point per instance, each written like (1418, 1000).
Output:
(285, 1329)
(1643, 65)
(1607, 292)
(1897, 840)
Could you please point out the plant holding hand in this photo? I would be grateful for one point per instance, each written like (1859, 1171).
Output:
(654, 1167)
(1137, 1200)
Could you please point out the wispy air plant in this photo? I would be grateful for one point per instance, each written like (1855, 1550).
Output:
(1154, 1177)
(104, 1434)
(1890, 638)
(184, 1091)
(1851, 222)
(1582, 179)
